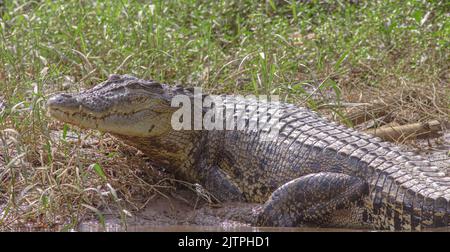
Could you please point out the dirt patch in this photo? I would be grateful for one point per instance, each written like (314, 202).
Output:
(173, 213)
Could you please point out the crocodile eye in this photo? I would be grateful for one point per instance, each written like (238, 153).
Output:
(145, 85)
(136, 85)
(154, 85)
(178, 88)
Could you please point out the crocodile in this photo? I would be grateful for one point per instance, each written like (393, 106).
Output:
(312, 172)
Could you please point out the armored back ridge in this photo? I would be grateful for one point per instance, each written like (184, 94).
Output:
(312, 171)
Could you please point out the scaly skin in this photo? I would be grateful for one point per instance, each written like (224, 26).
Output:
(314, 172)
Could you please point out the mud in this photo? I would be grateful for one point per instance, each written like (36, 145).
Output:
(174, 214)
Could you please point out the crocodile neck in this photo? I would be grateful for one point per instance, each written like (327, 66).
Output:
(178, 151)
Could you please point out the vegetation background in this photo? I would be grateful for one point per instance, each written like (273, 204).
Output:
(311, 53)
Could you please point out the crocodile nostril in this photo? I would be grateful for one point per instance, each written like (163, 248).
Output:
(65, 100)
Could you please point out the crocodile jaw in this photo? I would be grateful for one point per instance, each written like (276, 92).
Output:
(141, 123)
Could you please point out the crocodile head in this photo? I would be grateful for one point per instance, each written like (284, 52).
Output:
(122, 105)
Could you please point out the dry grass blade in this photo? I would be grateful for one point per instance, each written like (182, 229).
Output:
(2, 104)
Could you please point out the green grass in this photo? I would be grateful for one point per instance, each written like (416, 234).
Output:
(344, 51)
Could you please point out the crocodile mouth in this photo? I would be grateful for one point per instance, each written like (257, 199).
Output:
(61, 113)
(71, 109)
(142, 120)
(90, 119)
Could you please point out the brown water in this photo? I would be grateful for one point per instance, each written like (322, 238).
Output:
(173, 215)
(192, 228)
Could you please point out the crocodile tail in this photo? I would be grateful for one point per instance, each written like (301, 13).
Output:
(406, 192)
(406, 197)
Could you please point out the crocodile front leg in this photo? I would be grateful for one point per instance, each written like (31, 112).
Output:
(311, 199)
(219, 184)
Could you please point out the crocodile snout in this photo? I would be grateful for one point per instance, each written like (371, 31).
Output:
(63, 102)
